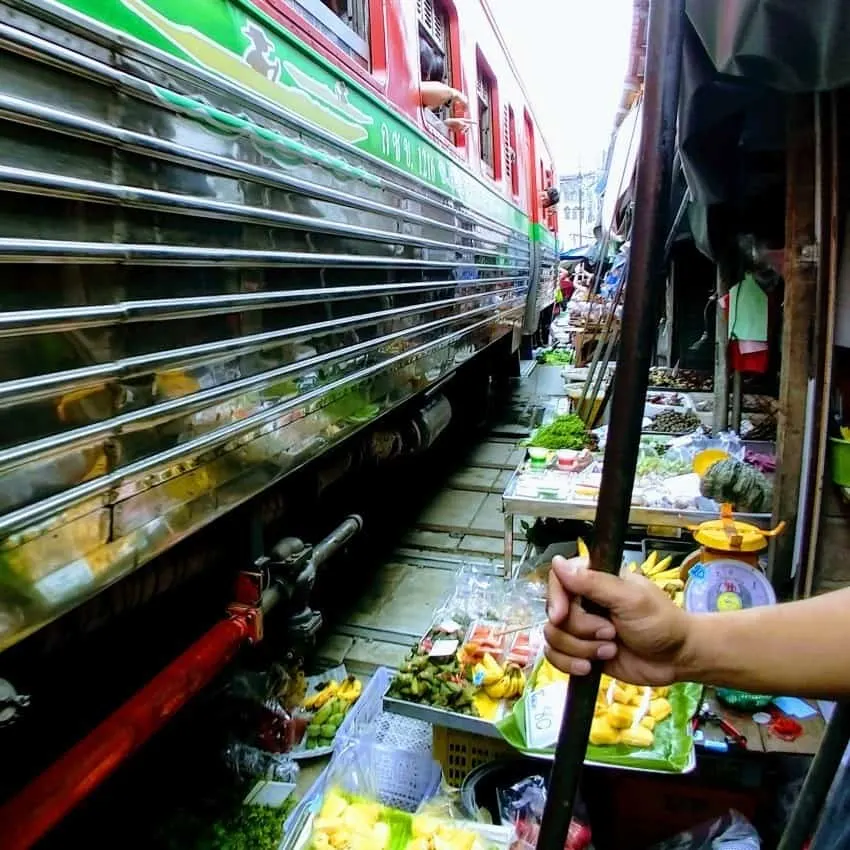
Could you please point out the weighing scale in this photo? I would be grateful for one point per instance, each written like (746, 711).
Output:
(726, 586)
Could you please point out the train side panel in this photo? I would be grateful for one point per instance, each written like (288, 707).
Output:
(221, 255)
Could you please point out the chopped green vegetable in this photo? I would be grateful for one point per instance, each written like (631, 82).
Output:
(245, 828)
(653, 464)
(557, 357)
(565, 432)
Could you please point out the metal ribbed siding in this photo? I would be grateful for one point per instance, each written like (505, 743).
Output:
(138, 244)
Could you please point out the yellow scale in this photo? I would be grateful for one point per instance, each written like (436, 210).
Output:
(723, 574)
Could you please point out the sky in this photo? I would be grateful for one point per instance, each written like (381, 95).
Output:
(572, 57)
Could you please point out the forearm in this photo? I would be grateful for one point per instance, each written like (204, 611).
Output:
(800, 648)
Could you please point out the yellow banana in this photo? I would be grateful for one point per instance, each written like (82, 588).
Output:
(498, 690)
(583, 551)
(350, 689)
(493, 670)
(318, 699)
(517, 682)
(667, 575)
(649, 563)
(633, 567)
(659, 567)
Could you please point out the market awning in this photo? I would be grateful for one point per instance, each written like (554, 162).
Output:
(585, 252)
(739, 65)
(789, 45)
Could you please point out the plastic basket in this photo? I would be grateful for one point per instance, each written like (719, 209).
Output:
(840, 461)
(404, 779)
(459, 753)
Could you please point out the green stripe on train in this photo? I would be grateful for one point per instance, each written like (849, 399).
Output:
(244, 45)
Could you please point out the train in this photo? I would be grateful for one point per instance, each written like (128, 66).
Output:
(235, 233)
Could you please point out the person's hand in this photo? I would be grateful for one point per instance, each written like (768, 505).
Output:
(642, 642)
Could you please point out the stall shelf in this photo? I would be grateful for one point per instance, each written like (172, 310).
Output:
(491, 742)
(516, 503)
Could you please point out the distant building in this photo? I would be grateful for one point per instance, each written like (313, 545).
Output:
(581, 206)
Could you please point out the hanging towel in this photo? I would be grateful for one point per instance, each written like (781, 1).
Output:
(748, 311)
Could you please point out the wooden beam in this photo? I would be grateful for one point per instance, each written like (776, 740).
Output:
(828, 176)
(798, 311)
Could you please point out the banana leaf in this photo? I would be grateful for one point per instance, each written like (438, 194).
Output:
(673, 737)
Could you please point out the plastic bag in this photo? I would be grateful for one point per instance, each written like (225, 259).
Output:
(351, 772)
(522, 805)
(731, 832)
(251, 763)
(446, 804)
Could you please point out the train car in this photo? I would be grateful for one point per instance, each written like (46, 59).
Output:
(233, 234)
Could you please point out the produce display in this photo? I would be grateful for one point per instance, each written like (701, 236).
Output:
(646, 728)
(624, 714)
(556, 357)
(331, 702)
(473, 677)
(680, 379)
(764, 430)
(665, 398)
(439, 682)
(661, 573)
(676, 422)
(627, 714)
(738, 484)
(564, 432)
(652, 463)
(247, 827)
(348, 823)
(298, 716)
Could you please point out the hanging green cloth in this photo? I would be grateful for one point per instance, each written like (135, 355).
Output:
(748, 311)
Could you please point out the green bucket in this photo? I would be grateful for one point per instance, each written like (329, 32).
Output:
(840, 461)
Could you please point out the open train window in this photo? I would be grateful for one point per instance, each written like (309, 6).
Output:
(435, 57)
(486, 96)
(343, 22)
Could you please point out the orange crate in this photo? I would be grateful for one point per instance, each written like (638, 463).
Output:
(459, 753)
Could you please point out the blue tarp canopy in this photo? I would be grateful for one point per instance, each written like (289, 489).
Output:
(586, 252)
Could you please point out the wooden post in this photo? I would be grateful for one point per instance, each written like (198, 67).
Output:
(801, 264)
(737, 401)
(828, 179)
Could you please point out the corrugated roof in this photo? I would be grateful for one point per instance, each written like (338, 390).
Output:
(633, 83)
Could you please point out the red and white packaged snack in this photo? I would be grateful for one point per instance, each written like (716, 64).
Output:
(525, 648)
(487, 638)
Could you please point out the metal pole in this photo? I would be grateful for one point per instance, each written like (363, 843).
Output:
(818, 781)
(651, 218)
(721, 358)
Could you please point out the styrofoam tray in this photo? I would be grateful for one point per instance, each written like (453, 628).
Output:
(651, 409)
(337, 674)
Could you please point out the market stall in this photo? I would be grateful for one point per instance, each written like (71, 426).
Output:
(561, 475)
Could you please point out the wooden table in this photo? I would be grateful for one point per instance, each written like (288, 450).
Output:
(759, 738)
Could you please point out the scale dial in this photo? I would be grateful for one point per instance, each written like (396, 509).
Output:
(726, 586)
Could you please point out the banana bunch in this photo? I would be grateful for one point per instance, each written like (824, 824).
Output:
(348, 690)
(487, 671)
(659, 572)
(510, 685)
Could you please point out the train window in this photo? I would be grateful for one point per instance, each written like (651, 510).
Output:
(511, 167)
(485, 91)
(343, 22)
(444, 103)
